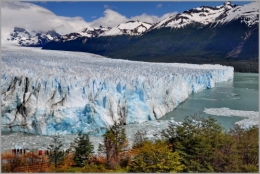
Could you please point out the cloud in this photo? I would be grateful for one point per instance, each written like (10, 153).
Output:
(33, 17)
(146, 18)
(108, 6)
(158, 5)
(166, 15)
(112, 18)
(152, 18)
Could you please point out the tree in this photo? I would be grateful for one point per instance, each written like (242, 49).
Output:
(56, 154)
(196, 140)
(14, 163)
(83, 149)
(226, 157)
(247, 142)
(139, 139)
(155, 157)
(115, 145)
(170, 134)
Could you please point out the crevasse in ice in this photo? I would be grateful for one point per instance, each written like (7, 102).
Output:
(49, 92)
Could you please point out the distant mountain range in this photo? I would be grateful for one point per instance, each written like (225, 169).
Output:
(226, 34)
(33, 39)
(39, 39)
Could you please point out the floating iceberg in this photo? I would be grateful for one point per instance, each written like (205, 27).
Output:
(251, 117)
(48, 92)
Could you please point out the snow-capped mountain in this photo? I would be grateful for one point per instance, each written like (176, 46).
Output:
(86, 32)
(215, 15)
(200, 35)
(200, 16)
(132, 28)
(22, 37)
(186, 37)
(94, 32)
(248, 14)
(70, 36)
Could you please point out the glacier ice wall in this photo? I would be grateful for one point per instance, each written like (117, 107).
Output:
(48, 92)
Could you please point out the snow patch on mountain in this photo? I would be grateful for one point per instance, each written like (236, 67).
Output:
(93, 32)
(129, 28)
(22, 37)
(204, 15)
(248, 13)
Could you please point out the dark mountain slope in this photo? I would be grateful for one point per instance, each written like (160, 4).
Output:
(232, 44)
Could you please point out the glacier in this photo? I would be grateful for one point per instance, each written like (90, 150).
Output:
(48, 92)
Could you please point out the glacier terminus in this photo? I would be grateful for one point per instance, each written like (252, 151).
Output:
(48, 92)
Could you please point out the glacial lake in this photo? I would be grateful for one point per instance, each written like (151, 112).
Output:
(241, 94)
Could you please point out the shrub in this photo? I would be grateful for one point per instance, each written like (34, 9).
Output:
(156, 157)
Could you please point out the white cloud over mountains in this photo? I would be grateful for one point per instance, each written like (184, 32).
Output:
(33, 17)
(111, 18)
(152, 18)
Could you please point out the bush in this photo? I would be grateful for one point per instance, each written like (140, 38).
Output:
(205, 147)
(196, 140)
(94, 168)
(156, 157)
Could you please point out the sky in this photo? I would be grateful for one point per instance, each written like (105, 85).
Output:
(67, 17)
(93, 10)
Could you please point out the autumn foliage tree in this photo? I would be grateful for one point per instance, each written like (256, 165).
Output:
(115, 145)
(198, 144)
(155, 157)
(14, 163)
(205, 147)
(140, 137)
(247, 142)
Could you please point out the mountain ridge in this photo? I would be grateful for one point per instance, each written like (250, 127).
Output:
(200, 16)
(214, 42)
(225, 34)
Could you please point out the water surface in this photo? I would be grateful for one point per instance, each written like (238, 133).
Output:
(241, 93)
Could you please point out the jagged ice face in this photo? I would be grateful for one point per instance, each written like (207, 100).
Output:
(48, 92)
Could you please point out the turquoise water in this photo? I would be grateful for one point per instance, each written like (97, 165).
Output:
(241, 93)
